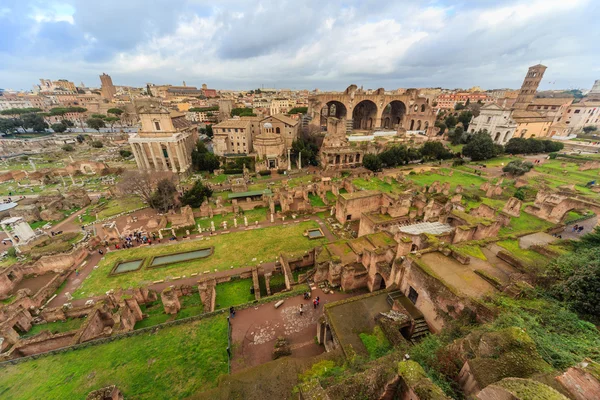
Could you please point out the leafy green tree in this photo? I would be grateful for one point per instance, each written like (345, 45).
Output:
(59, 128)
(111, 121)
(20, 111)
(79, 111)
(95, 123)
(99, 116)
(9, 125)
(456, 135)
(195, 196)
(576, 279)
(35, 122)
(298, 110)
(520, 194)
(209, 131)
(450, 121)
(589, 240)
(589, 129)
(442, 126)
(372, 162)
(242, 112)
(125, 153)
(435, 151)
(465, 118)
(67, 123)
(203, 160)
(308, 150)
(459, 106)
(115, 111)
(517, 167)
(480, 147)
(394, 156)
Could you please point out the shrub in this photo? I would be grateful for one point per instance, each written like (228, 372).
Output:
(281, 171)
(458, 162)
(265, 172)
(68, 147)
(372, 162)
(125, 153)
(520, 194)
(97, 144)
(518, 167)
(553, 156)
(480, 147)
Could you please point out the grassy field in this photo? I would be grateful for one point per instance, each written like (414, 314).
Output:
(457, 178)
(529, 256)
(525, 223)
(118, 206)
(378, 184)
(56, 327)
(237, 249)
(258, 214)
(173, 363)
(316, 201)
(376, 343)
(234, 293)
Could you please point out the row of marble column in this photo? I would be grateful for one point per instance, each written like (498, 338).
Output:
(176, 151)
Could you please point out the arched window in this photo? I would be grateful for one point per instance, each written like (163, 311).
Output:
(277, 130)
(423, 108)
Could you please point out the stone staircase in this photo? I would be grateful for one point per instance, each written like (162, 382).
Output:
(421, 330)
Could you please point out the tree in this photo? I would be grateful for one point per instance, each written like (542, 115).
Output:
(125, 153)
(163, 198)
(459, 106)
(520, 194)
(456, 135)
(372, 162)
(195, 196)
(465, 118)
(111, 121)
(9, 125)
(531, 145)
(518, 167)
(99, 116)
(68, 147)
(242, 112)
(68, 123)
(95, 123)
(115, 111)
(435, 151)
(575, 278)
(442, 126)
(35, 122)
(480, 147)
(79, 111)
(450, 121)
(298, 110)
(589, 129)
(97, 144)
(59, 128)
(308, 150)
(209, 131)
(203, 160)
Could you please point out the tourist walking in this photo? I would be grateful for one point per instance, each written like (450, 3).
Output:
(318, 300)
(580, 229)
(301, 309)
(575, 228)
(315, 303)
(231, 312)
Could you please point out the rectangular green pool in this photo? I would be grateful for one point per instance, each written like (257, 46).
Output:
(179, 257)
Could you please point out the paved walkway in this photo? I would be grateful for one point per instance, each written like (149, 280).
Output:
(588, 226)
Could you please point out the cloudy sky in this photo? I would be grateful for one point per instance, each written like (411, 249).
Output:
(237, 44)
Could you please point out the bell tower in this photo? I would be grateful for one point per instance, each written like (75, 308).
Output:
(529, 87)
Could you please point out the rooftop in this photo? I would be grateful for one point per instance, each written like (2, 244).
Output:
(249, 194)
(233, 123)
(434, 228)
(359, 194)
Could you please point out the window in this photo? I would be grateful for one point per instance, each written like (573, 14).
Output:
(577, 111)
(157, 125)
(489, 119)
(277, 130)
(236, 129)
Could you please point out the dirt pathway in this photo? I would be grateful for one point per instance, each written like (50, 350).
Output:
(255, 329)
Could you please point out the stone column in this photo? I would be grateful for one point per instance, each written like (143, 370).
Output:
(289, 160)
(171, 157)
(299, 160)
(144, 156)
(154, 163)
(136, 155)
(161, 155)
(180, 159)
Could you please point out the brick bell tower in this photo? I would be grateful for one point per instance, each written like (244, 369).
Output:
(529, 87)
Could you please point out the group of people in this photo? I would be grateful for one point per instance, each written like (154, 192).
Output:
(536, 161)
(578, 228)
(316, 302)
(136, 237)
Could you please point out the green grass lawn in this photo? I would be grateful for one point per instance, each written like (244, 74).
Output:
(234, 293)
(378, 184)
(376, 343)
(529, 256)
(258, 214)
(330, 196)
(173, 363)
(56, 327)
(457, 178)
(316, 201)
(118, 206)
(525, 223)
(235, 249)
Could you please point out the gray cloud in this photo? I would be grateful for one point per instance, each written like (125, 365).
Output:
(325, 44)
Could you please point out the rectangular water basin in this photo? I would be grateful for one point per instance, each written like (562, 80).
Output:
(179, 257)
(127, 266)
(315, 234)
